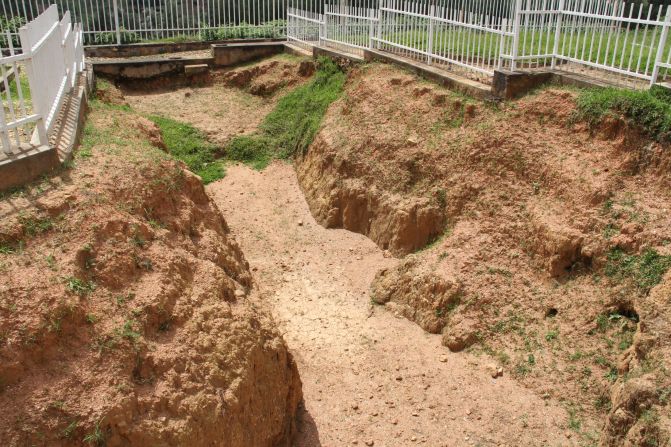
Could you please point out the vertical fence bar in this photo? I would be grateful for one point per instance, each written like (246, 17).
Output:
(116, 21)
(662, 45)
(558, 33)
(429, 47)
(516, 34)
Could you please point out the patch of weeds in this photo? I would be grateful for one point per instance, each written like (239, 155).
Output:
(552, 335)
(645, 270)
(648, 109)
(91, 318)
(602, 403)
(188, 144)
(522, 368)
(78, 286)
(96, 437)
(499, 271)
(51, 262)
(6, 249)
(127, 331)
(574, 422)
(611, 375)
(122, 299)
(291, 127)
(70, 429)
(610, 230)
(576, 356)
(34, 225)
(103, 343)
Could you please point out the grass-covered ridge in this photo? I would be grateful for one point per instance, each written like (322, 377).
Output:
(293, 124)
(651, 109)
(188, 144)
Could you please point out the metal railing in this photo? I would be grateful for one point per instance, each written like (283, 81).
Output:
(132, 21)
(43, 73)
(612, 39)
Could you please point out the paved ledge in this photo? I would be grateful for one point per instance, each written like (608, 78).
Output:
(227, 55)
(128, 69)
(152, 49)
(296, 50)
(25, 164)
(449, 80)
(335, 54)
(514, 84)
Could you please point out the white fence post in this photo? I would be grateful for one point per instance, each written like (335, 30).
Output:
(116, 22)
(380, 21)
(198, 15)
(560, 20)
(35, 88)
(371, 29)
(516, 34)
(662, 45)
(429, 49)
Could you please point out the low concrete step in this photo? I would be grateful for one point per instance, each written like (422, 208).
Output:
(196, 69)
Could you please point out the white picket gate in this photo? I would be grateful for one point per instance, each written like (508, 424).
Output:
(52, 56)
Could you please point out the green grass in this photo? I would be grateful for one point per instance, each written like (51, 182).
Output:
(188, 144)
(651, 110)
(291, 127)
(622, 51)
(645, 270)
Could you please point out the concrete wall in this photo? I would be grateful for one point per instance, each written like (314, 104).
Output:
(152, 49)
(233, 54)
(146, 69)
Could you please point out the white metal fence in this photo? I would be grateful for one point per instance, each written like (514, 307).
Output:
(131, 21)
(43, 73)
(614, 39)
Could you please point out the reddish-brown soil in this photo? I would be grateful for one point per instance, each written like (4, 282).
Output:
(233, 102)
(370, 377)
(523, 207)
(127, 312)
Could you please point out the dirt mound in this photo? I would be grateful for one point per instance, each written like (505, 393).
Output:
(266, 78)
(550, 229)
(413, 291)
(127, 314)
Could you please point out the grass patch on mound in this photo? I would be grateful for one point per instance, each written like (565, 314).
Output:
(651, 109)
(188, 144)
(293, 124)
(645, 270)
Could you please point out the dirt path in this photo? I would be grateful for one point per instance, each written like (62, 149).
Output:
(368, 376)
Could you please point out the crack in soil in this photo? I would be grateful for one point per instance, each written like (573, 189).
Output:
(369, 377)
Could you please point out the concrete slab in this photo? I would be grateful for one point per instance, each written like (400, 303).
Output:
(333, 53)
(296, 50)
(196, 69)
(129, 69)
(227, 55)
(150, 49)
(26, 163)
(449, 80)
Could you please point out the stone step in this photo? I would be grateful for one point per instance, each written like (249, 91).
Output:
(196, 69)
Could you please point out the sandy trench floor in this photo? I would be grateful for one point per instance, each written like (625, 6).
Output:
(369, 377)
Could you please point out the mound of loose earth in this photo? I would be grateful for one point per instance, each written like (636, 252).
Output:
(125, 314)
(233, 103)
(548, 237)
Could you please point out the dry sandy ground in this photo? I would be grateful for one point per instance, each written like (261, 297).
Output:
(369, 377)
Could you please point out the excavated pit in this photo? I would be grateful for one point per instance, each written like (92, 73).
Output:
(517, 227)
